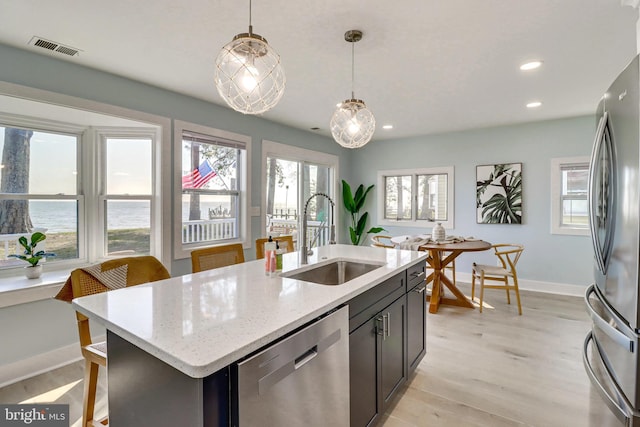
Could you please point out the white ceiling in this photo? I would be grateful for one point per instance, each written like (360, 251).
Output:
(425, 66)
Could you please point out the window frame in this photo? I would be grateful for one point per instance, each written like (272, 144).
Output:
(557, 165)
(414, 173)
(100, 137)
(180, 250)
(90, 162)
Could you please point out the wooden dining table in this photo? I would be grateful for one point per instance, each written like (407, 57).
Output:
(441, 255)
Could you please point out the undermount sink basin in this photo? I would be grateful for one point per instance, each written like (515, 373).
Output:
(333, 273)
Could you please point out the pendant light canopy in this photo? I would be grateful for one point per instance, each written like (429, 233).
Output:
(249, 75)
(352, 124)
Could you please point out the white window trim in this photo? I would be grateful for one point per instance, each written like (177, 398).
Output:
(180, 251)
(89, 196)
(556, 200)
(100, 135)
(449, 170)
(18, 290)
(293, 153)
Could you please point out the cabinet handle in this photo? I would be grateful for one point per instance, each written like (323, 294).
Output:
(415, 275)
(421, 290)
(380, 330)
(388, 324)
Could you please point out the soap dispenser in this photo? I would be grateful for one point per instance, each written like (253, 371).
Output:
(269, 257)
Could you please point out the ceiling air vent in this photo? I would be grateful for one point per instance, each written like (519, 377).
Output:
(53, 46)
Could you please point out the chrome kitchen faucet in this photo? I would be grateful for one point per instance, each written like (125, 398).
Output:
(305, 252)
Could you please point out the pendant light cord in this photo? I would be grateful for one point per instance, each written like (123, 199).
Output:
(353, 46)
(250, 26)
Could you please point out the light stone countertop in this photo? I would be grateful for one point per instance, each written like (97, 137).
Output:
(200, 323)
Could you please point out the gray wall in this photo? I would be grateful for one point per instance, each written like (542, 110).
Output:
(547, 257)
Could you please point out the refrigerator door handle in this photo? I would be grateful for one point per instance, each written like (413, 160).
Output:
(613, 333)
(618, 411)
(600, 216)
(591, 196)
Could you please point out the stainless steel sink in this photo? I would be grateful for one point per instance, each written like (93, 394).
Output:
(333, 273)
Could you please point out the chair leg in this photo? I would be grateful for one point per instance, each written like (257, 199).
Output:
(453, 265)
(515, 287)
(473, 281)
(481, 289)
(506, 288)
(90, 386)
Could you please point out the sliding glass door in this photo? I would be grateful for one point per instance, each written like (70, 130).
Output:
(291, 178)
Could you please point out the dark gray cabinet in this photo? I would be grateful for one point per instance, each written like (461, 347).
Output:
(363, 374)
(386, 340)
(377, 363)
(416, 320)
(391, 339)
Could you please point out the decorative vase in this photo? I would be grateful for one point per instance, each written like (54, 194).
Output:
(438, 233)
(33, 272)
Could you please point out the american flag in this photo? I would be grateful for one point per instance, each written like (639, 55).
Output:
(199, 177)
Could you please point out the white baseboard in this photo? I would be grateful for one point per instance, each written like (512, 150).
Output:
(537, 286)
(40, 363)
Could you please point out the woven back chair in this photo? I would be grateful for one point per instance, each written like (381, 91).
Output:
(139, 270)
(216, 256)
(504, 273)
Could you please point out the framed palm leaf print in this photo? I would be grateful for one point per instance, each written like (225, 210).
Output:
(499, 193)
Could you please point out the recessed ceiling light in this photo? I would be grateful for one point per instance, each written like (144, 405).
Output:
(530, 65)
(387, 127)
(534, 104)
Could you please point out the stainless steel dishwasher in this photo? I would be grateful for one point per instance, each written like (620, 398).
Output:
(302, 380)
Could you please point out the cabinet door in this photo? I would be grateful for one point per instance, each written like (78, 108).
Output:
(363, 374)
(393, 369)
(416, 325)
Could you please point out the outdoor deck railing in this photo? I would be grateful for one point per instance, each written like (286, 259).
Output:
(209, 229)
(225, 228)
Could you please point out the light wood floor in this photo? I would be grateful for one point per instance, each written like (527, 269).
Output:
(489, 369)
(496, 368)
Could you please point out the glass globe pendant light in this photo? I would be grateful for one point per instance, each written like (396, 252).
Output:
(249, 75)
(352, 124)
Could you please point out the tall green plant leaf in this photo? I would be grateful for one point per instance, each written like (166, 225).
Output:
(347, 197)
(353, 204)
(361, 196)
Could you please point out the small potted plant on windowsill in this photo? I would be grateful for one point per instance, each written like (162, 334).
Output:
(33, 257)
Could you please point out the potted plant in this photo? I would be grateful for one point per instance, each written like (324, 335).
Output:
(33, 257)
(354, 203)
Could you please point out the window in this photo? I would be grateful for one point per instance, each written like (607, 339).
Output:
(569, 187)
(49, 182)
(127, 194)
(291, 176)
(214, 187)
(416, 197)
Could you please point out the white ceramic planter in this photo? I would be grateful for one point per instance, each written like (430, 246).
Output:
(33, 272)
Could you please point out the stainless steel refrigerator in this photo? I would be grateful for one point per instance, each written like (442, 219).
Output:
(610, 351)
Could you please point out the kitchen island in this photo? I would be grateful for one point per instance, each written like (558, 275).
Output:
(172, 342)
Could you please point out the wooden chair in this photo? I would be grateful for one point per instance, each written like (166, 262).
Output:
(382, 241)
(139, 270)
(216, 256)
(508, 256)
(284, 242)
